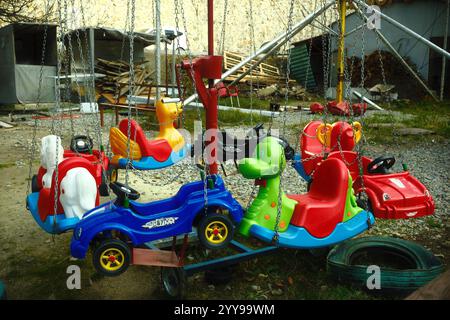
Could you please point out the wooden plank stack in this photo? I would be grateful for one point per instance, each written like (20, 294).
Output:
(118, 76)
(264, 74)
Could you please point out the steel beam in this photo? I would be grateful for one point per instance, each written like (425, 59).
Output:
(269, 47)
(398, 55)
(406, 29)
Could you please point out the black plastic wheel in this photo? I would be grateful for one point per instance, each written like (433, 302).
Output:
(34, 184)
(215, 231)
(111, 257)
(173, 281)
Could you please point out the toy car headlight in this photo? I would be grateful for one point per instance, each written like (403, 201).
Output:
(386, 196)
(427, 193)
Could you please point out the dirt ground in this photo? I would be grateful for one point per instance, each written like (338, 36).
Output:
(33, 264)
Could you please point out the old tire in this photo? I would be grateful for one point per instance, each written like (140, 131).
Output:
(173, 281)
(415, 265)
(215, 231)
(111, 257)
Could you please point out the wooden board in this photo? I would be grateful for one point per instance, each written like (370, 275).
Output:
(438, 289)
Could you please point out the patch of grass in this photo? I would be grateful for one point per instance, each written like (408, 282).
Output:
(226, 118)
(418, 114)
(6, 165)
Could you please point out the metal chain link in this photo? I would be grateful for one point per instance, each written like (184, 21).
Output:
(38, 102)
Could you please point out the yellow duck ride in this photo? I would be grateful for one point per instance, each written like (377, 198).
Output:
(166, 149)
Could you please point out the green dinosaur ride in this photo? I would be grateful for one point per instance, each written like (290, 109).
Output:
(265, 167)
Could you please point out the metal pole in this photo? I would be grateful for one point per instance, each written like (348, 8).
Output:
(272, 46)
(445, 48)
(158, 49)
(269, 47)
(92, 49)
(367, 100)
(398, 56)
(174, 81)
(342, 6)
(211, 112)
(407, 30)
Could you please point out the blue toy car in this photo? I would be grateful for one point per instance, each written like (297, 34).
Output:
(113, 228)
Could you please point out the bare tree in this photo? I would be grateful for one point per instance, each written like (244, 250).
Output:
(22, 11)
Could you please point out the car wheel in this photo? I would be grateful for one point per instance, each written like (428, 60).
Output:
(215, 231)
(34, 184)
(111, 257)
(173, 281)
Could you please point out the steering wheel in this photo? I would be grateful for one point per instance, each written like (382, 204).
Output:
(381, 165)
(81, 144)
(123, 191)
(288, 150)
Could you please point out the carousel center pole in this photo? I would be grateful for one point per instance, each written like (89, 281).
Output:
(211, 111)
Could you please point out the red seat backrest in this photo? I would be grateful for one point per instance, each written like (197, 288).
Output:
(46, 202)
(137, 134)
(330, 180)
(342, 132)
(351, 161)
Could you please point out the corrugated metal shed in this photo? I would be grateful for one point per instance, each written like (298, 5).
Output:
(300, 67)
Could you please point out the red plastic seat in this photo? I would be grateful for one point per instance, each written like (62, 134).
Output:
(159, 149)
(322, 208)
(46, 202)
(311, 147)
(342, 132)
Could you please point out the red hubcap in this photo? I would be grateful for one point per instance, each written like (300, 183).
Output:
(112, 258)
(216, 232)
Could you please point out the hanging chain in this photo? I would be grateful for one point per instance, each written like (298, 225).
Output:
(38, 102)
(131, 87)
(222, 32)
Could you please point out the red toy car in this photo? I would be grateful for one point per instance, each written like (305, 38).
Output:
(390, 195)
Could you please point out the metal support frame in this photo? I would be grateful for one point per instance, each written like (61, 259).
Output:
(406, 29)
(342, 7)
(398, 55)
(444, 61)
(269, 47)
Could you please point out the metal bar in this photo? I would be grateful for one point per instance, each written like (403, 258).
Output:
(266, 113)
(296, 29)
(444, 61)
(342, 6)
(192, 269)
(174, 77)
(211, 112)
(158, 49)
(239, 246)
(407, 30)
(398, 56)
(354, 30)
(269, 47)
(367, 100)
